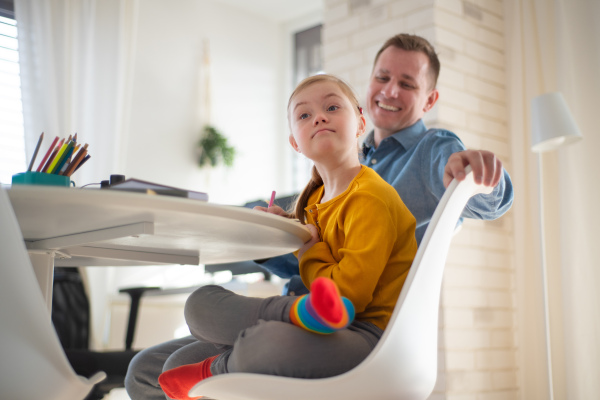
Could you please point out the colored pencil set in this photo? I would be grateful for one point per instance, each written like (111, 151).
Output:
(64, 157)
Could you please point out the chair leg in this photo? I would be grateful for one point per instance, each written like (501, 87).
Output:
(136, 295)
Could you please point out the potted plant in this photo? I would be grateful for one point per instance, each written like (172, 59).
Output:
(214, 149)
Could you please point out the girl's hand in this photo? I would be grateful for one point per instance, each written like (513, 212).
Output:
(314, 239)
(274, 210)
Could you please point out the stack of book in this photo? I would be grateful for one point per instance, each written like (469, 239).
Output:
(140, 186)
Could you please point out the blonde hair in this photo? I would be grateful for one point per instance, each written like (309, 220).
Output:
(316, 180)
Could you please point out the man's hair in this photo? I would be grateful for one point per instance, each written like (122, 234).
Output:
(405, 41)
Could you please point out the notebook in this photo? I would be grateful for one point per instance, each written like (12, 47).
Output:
(140, 186)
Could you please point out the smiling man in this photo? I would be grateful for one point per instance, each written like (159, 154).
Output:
(421, 162)
(401, 89)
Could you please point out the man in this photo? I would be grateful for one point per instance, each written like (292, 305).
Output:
(418, 162)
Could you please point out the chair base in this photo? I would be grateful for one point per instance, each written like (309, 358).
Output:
(114, 363)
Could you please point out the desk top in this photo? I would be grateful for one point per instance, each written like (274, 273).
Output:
(87, 227)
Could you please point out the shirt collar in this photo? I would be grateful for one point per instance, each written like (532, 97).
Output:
(407, 137)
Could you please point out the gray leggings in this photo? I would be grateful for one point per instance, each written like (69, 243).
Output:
(251, 335)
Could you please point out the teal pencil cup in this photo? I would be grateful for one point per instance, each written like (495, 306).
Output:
(40, 178)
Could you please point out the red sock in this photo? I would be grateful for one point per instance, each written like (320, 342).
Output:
(326, 299)
(177, 382)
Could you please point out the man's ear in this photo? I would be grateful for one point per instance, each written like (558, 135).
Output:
(293, 143)
(431, 100)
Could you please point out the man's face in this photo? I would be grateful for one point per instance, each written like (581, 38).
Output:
(399, 92)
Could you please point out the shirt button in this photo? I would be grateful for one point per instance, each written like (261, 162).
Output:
(310, 210)
(373, 161)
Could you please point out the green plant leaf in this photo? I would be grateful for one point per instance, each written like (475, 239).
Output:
(214, 148)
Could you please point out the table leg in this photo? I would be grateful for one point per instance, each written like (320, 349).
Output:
(43, 267)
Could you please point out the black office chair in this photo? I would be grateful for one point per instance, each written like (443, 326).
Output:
(71, 319)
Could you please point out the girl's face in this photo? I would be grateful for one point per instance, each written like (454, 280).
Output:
(324, 122)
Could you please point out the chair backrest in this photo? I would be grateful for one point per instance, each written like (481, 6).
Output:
(403, 365)
(408, 347)
(32, 362)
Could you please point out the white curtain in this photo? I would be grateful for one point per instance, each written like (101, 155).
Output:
(555, 46)
(76, 60)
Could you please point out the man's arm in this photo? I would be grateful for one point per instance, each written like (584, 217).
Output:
(487, 169)
(284, 266)
(445, 158)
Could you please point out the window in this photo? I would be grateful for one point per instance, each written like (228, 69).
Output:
(307, 53)
(307, 62)
(12, 142)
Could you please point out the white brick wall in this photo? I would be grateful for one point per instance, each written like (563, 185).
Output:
(478, 350)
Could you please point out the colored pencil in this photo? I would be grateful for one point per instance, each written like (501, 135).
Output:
(65, 157)
(39, 168)
(76, 160)
(82, 162)
(59, 156)
(53, 155)
(272, 199)
(35, 153)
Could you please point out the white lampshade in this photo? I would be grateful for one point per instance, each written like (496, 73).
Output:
(552, 124)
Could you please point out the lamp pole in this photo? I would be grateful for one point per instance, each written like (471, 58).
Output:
(545, 280)
(552, 126)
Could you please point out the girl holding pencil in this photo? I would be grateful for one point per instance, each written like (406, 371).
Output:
(362, 246)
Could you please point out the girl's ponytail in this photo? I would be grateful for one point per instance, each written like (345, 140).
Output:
(313, 184)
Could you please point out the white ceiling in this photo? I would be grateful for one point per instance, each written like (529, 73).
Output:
(277, 10)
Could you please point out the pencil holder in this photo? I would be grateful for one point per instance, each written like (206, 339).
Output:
(40, 178)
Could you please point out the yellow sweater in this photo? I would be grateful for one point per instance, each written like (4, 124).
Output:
(367, 245)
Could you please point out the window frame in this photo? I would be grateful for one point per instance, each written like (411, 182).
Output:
(12, 135)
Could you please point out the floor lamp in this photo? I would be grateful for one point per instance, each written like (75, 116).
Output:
(552, 126)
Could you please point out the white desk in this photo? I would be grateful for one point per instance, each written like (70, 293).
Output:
(92, 227)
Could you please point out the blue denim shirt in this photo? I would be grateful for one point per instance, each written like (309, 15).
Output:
(412, 161)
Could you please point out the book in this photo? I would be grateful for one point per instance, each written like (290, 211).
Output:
(140, 186)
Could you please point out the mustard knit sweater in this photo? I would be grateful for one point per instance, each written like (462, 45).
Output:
(367, 245)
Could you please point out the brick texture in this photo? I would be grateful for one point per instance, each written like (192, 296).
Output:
(477, 346)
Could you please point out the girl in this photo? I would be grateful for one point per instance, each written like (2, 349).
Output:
(362, 246)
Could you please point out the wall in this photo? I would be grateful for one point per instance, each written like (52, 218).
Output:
(168, 94)
(477, 349)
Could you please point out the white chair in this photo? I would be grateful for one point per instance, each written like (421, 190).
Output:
(403, 365)
(32, 362)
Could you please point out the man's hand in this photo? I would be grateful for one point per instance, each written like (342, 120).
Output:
(314, 239)
(487, 168)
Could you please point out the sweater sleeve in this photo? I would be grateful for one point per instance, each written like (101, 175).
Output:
(364, 239)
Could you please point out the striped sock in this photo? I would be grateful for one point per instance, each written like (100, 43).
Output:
(177, 382)
(323, 310)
